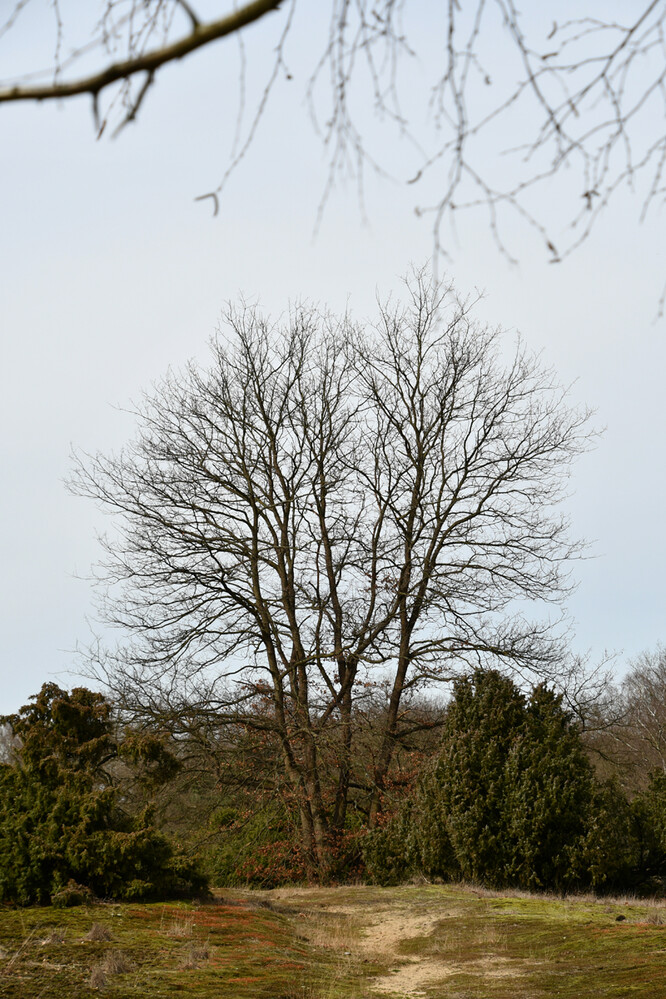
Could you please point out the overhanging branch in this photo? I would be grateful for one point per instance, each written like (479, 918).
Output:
(201, 34)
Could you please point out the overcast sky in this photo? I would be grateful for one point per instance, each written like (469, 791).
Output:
(110, 272)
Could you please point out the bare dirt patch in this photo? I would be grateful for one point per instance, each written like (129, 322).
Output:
(378, 931)
(382, 939)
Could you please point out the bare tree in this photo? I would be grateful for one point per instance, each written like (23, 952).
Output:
(639, 739)
(644, 690)
(520, 105)
(625, 725)
(329, 512)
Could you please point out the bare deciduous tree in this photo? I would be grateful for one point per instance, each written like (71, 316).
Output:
(637, 741)
(330, 511)
(626, 724)
(521, 103)
(644, 690)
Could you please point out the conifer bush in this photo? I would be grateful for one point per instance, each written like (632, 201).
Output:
(649, 814)
(63, 829)
(511, 799)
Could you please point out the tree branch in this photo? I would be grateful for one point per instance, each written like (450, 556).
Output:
(148, 63)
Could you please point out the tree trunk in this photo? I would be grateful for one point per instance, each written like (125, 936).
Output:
(388, 742)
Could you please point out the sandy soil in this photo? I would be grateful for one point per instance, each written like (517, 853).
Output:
(382, 935)
(383, 927)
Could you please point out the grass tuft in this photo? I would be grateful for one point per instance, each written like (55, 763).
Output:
(116, 962)
(55, 938)
(97, 933)
(195, 956)
(97, 978)
(180, 928)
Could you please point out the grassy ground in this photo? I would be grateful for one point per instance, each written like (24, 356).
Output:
(344, 943)
(237, 948)
(463, 943)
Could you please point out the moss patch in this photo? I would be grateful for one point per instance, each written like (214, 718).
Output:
(536, 947)
(206, 951)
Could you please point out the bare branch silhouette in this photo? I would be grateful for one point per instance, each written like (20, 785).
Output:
(543, 120)
(145, 62)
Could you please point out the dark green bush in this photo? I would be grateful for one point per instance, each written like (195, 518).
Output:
(510, 801)
(62, 820)
(390, 851)
(649, 814)
(253, 846)
(72, 894)
(611, 851)
(549, 799)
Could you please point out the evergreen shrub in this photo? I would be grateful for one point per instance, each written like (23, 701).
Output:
(511, 799)
(63, 830)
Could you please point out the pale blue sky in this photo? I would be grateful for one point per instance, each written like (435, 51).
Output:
(110, 272)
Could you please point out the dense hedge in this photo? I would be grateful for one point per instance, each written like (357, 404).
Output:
(510, 799)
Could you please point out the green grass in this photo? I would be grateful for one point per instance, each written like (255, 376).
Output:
(236, 949)
(333, 944)
(528, 947)
(489, 947)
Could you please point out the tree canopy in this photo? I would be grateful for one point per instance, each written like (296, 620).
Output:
(330, 513)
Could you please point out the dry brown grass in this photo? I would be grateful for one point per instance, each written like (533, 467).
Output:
(334, 931)
(97, 978)
(56, 936)
(115, 962)
(195, 956)
(459, 943)
(179, 928)
(338, 934)
(98, 933)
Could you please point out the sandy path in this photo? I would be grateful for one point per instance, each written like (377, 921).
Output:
(382, 938)
(411, 974)
(384, 927)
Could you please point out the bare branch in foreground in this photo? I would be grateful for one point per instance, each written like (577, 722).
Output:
(150, 62)
(542, 122)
